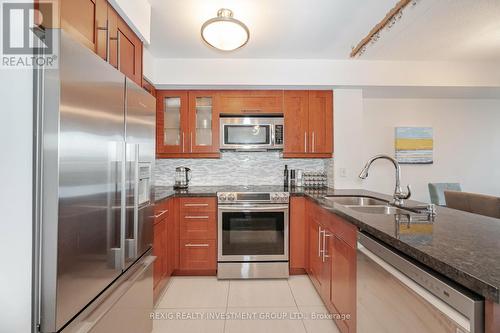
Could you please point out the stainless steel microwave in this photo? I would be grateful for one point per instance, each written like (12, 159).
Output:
(251, 133)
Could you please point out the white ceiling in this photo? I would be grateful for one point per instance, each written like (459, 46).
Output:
(459, 30)
(298, 29)
(448, 30)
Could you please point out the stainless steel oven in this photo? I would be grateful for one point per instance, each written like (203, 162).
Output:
(253, 235)
(251, 133)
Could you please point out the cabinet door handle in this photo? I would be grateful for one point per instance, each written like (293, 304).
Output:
(182, 141)
(197, 217)
(305, 142)
(251, 110)
(313, 142)
(325, 252)
(196, 245)
(196, 205)
(191, 142)
(161, 214)
(319, 241)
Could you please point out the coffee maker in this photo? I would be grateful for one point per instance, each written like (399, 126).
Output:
(182, 177)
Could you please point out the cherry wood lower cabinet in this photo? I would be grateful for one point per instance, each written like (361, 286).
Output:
(343, 282)
(164, 238)
(198, 255)
(319, 260)
(184, 240)
(198, 236)
(492, 317)
(298, 235)
(159, 251)
(332, 263)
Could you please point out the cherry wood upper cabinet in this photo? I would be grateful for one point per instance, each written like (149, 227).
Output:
(125, 48)
(86, 20)
(296, 108)
(148, 86)
(171, 122)
(203, 122)
(308, 123)
(321, 121)
(187, 124)
(251, 102)
(99, 27)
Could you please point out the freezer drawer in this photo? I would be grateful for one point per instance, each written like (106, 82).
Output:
(126, 309)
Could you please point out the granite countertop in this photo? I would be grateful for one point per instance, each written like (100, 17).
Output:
(463, 247)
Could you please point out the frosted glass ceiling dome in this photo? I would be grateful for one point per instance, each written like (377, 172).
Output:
(224, 32)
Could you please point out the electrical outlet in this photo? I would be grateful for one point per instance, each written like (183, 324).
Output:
(343, 172)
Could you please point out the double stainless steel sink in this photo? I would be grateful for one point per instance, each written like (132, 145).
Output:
(368, 205)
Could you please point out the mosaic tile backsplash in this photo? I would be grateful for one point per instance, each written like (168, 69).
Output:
(235, 168)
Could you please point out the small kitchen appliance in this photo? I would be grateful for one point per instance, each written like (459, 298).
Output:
(182, 177)
(252, 133)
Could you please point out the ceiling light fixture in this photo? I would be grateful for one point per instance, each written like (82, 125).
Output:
(224, 32)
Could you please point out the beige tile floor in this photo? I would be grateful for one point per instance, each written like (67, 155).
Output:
(208, 305)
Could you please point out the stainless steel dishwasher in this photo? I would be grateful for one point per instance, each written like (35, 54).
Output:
(395, 295)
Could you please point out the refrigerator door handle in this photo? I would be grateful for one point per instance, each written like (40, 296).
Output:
(131, 240)
(123, 201)
(116, 180)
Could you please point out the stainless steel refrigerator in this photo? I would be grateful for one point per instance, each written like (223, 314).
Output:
(95, 156)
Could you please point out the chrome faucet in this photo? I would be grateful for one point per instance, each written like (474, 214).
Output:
(399, 195)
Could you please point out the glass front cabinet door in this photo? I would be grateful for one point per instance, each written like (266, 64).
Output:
(203, 122)
(171, 122)
(187, 124)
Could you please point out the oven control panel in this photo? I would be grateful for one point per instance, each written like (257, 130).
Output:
(281, 197)
(253, 197)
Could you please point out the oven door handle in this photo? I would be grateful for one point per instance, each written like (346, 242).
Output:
(262, 208)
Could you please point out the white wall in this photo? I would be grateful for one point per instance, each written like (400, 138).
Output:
(314, 72)
(348, 137)
(16, 137)
(148, 64)
(466, 142)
